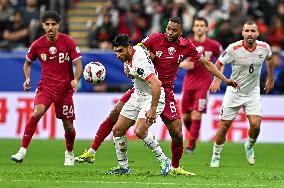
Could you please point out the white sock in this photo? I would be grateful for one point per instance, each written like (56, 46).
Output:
(121, 144)
(92, 151)
(250, 142)
(217, 150)
(151, 142)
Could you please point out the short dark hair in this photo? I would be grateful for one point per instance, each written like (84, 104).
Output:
(201, 19)
(176, 20)
(50, 14)
(121, 40)
(250, 22)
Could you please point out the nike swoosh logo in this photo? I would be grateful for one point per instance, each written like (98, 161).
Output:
(52, 57)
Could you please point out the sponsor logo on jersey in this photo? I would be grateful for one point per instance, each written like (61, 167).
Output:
(43, 57)
(171, 50)
(159, 54)
(52, 50)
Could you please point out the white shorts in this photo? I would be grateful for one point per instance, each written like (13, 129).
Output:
(137, 106)
(233, 101)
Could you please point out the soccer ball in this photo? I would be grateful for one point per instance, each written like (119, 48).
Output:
(94, 72)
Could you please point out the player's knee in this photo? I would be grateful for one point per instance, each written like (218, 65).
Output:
(186, 119)
(114, 114)
(196, 115)
(140, 133)
(117, 132)
(255, 125)
(38, 113)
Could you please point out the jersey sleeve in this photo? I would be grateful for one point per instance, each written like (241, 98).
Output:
(150, 40)
(269, 52)
(192, 52)
(140, 66)
(75, 53)
(31, 55)
(227, 56)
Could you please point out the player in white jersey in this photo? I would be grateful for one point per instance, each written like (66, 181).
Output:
(246, 57)
(143, 107)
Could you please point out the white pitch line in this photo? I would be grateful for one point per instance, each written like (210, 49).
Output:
(145, 183)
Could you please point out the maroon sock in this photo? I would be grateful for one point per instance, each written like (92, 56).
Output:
(29, 131)
(177, 150)
(70, 139)
(194, 133)
(103, 131)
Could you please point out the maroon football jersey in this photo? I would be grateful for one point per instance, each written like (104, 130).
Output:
(199, 77)
(56, 62)
(168, 56)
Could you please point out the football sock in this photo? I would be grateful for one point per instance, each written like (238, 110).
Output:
(151, 142)
(69, 139)
(194, 133)
(250, 142)
(92, 151)
(29, 131)
(177, 150)
(103, 131)
(217, 150)
(121, 144)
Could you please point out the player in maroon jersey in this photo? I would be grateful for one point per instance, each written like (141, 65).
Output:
(56, 53)
(195, 87)
(169, 50)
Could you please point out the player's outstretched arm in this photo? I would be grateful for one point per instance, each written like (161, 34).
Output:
(269, 85)
(78, 74)
(213, 70)
(27, 71)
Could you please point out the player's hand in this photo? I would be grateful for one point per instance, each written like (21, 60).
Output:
(215, 85)
(151, 115)
(27, 85)
(233, 83)
(269, 85)
(75, 84)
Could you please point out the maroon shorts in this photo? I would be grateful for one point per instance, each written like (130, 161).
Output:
(127, 95)
(171, 111)
(64, 107)
(194, 100)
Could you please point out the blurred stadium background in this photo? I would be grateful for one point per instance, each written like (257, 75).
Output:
(94, 23)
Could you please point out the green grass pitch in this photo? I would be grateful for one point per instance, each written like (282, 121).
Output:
(43, 167)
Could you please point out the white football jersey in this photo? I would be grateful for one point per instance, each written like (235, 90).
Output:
(246, 64)
(141, 68)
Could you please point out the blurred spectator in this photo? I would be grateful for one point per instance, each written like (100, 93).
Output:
(6, 12)
(275, 35)
(238, 16)
(17, 33)
(211, 13)
(278, 75)
(30, 12)
(127, 25)
(103, 35)
(225, 34)
(109, 8)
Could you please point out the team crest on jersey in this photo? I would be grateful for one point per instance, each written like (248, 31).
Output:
(171, 50)
(43, 57)
(140, 71)
(52, 50)
(200, 49)
(208, 54)
(159, 54)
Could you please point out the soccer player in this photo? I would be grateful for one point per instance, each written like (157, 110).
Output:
(142, 108)
(56, 53)
(195, 87)
(246, 57)
(169, 50)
